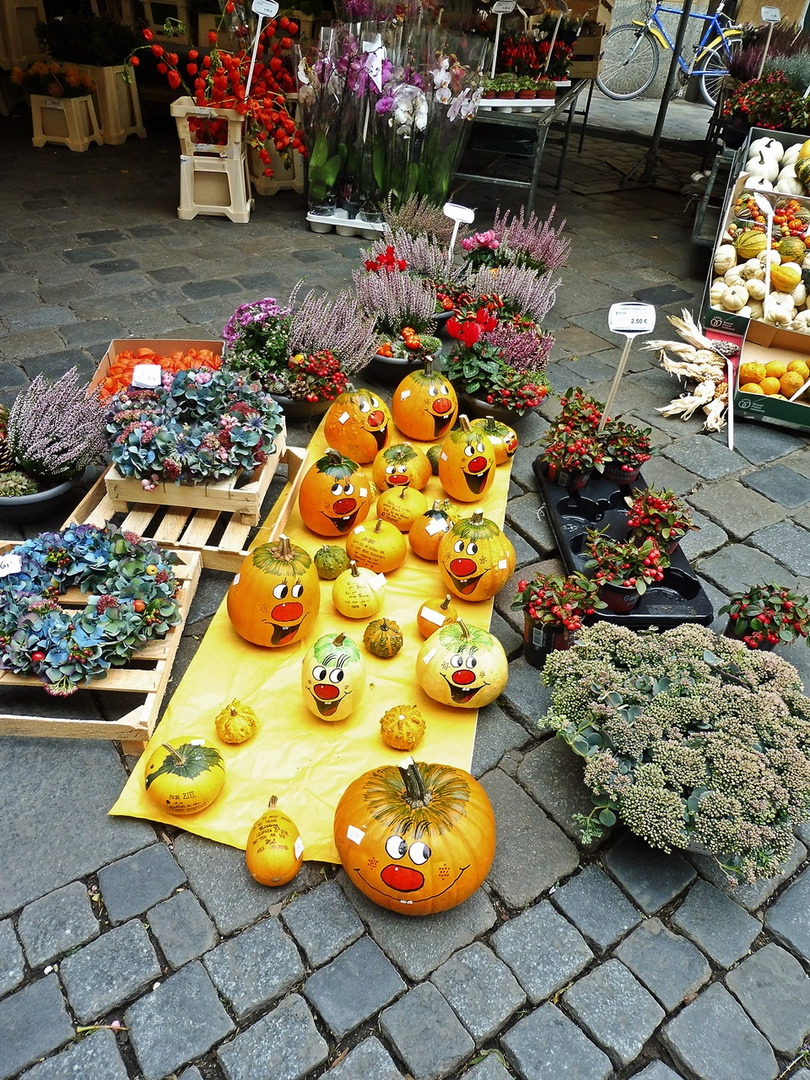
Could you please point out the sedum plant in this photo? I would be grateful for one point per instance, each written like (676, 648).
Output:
(689, 739)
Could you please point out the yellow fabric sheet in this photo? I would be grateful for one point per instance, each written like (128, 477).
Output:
(306, 762)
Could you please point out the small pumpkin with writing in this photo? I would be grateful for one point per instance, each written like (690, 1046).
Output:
(274, 850)
(184, 777)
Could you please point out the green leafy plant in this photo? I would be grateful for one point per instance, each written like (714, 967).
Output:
(688, 739)
(624, 562)
(766, 615)
(554, 600)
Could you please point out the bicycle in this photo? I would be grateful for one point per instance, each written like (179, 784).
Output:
(632, 53)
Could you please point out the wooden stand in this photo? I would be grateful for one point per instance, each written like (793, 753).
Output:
(70, 122)
(213, 177)
(118, 107)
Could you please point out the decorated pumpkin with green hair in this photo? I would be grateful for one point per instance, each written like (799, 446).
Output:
(358, 424)
(460, 665)
(275, 597)
(424, 405)
(476, 558)
(333, 676)
(416, 838)
(467, 463)
(401, 465)
(335, 495)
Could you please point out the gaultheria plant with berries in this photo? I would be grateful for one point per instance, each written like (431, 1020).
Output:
(573, 452)
(659, 513)
(554, 600)
(767, 615)
(624, 562)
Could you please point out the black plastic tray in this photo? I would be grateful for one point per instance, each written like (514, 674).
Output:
(677, 599)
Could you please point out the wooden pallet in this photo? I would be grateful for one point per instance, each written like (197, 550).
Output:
(240, 496)
(143, 679)
(221, 537)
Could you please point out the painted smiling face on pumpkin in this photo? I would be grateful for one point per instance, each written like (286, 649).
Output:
(463, 666)
(401, 465)
(415, 839)
(358, 424)
(476, 558)
(466, 463)
(333, 677)
(335, 495)
(275, 597)
(424, 405)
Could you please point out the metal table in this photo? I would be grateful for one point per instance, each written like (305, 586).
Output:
(522, 134)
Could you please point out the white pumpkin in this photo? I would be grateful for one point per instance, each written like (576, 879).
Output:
(755, 309)
(755, 287)
(772, 257)
(801, 323)
(752, 269)
(767, 145)
(716, 290)
(799, 295)
(760, 183)
(734, 298)
(762, 165)
(788, 183)
(733, 276)
(745, 311)
(724, 258)
(778, 310)
(791, 155)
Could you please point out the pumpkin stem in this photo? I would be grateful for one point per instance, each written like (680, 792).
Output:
(338, 641)
(464, 422)
(283, 549)
(445, 604)
(378, 526)
(416, 794)
(428, 364)
(353, 568)
(465, 630)
(272, 804)
(178, 757)
(477, 517)
(437, 504)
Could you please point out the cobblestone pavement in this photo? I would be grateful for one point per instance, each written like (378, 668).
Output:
(615, 961)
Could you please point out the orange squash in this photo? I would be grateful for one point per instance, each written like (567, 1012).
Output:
(401, 506)
(433, 614)
(427, 531)
(184, 777)
(378, 545)
(275, 597)
(335, 495)
(424, 405)
(358, 425)
(274, 850)
(416, 838)
(466, 463)
(503, 438)
(476, 558)
(401, 465)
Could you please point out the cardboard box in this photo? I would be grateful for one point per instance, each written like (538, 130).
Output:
(593, 11)
(762, 344)
(163, 346)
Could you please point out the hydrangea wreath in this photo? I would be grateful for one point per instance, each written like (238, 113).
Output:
(198, 425)
(133, 600)
(689, 739)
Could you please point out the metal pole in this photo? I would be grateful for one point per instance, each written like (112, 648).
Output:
(651, 158)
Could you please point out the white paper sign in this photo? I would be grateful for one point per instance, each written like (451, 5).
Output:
(354, 834)
(771, 14)
(457, 212)
(503, 7)
(631, 318)
(147, 376)
(10, 564)
(267, 8)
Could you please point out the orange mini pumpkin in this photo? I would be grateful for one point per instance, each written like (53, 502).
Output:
(416, 838)
(335, 495)
(275, 597)
(427, 531)
(358, 424)
(401, 465)
(378, 545)
(476, 558)
(466, 463)
(402, 507)
(424, 405)
(503, 438)
(433, 614)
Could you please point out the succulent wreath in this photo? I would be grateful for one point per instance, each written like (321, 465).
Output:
(133, 600)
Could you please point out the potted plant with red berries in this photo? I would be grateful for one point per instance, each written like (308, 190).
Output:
(623, 569)
(628, 448)
(661, 514)
(554, 608)
(571, 457)
(764, 616)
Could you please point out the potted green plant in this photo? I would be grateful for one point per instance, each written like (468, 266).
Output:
(554, 607)
(764, 616)
(628, 448)
(507, 87)
(623, 569)
(51, 433)
(688, 740)
(546, 88)
(661, 514)
(570, 457)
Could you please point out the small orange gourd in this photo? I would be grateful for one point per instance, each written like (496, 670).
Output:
(401, 465)
(401, 506)
(433, 614)
(466, 463)
(476, 558)
(424, 405)
(274, 850)
(377, 544)
(275, 597)
(358, 425)
(427, 531)
(335, 495)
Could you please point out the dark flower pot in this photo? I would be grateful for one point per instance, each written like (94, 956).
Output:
(730, 632)
(571, 481)
(476, 407)
(619, 598)
(23, 508)
(297, 411)
(614, 472)
(540, 640)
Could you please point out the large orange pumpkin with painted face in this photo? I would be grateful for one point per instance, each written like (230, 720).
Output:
(358, 424)
(335, 495)
(424, 405)
(466, 463)
(476, 558)
(460, 665)
(275, 597)
(401, 465)
(416, 838)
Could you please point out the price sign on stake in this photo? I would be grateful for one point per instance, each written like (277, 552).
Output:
(457, 213)
(263, 9)
(632, 320)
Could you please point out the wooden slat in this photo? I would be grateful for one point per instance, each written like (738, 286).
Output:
(171, 527)
(56, 728)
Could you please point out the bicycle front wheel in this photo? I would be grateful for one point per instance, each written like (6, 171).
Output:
(629, 62)
(714, 65)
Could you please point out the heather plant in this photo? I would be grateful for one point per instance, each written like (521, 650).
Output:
(688, 738)
(422, 254)
(519, 241)
(520, 290)
(339, 325)
(396, 300)
(55, 429)
(417, 216)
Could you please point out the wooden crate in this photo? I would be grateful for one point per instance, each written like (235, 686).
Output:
(240, 495)
(221, 538)
(143, 680)
(162, 346)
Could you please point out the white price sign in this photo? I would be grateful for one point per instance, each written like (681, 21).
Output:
(503, 7)
(631, 318)
(267, 8)
(771, 15)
